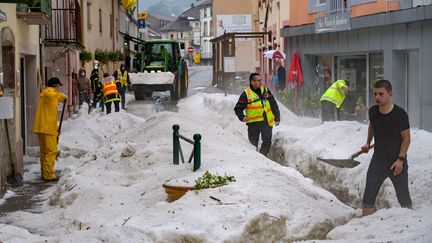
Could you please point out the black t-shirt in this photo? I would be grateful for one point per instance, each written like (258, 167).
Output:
(387, 130)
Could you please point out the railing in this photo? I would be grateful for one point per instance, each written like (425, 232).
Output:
(41, 6)
(334, 6)
(196, 152)
(65, 23)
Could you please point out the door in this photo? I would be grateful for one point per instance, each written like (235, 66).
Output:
(413, 88)
(354, 69)
(22, 101)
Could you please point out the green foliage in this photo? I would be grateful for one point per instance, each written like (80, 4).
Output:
(120, 55)
(112, 56)
(102, 56)
(209, 180)
(85, 56)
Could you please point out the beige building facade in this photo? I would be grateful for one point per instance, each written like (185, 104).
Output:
(224, 15)
(273, 16)
(19, 65)
(93, 25)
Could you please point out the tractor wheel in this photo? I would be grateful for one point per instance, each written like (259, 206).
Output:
(184, 81)
(175, 89)
(139, 95)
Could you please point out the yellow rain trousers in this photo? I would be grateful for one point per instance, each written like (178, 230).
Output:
(45, 127)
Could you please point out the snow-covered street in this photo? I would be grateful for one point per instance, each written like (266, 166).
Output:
(113, 167)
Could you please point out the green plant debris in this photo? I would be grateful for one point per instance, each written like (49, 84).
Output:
(209, 180)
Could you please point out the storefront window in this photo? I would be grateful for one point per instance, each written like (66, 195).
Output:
(376, 72)
(353, 68)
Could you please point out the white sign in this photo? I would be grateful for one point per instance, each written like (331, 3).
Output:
(229, 64)
(6, 107)
(233, 23)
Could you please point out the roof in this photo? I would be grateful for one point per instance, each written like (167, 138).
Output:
(178, 25)
(205, 3)
(182, 22)
(160, 41)
(163, 17)
(193, 12)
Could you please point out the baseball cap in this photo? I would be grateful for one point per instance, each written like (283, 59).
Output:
(54, 80)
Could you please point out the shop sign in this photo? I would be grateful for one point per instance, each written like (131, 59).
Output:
(6, 107)
(334, 22)
(229, 64)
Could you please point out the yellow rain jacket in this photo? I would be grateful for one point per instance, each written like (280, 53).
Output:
(46, 113)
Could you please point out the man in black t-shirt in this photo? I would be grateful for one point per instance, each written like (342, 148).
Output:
(389, 126)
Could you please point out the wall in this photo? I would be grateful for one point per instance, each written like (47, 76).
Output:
(246, 51)
(299, 10)
(26, 44)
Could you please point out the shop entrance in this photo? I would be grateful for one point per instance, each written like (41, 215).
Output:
(353, 68)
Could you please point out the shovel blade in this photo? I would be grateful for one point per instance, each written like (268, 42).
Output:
(340, 163)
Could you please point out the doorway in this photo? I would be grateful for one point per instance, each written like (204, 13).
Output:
(22, 101)
(353, 68)
(413, 88)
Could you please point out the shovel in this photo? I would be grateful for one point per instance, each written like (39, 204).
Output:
(16, 179)
(60, 125)
(345, 163)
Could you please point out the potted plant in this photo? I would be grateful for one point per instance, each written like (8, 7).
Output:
(85, 56)
(208, 180)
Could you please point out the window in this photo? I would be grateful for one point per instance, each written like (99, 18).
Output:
(205, 30)
(117, 27)
(111, 25)
(100, 20)
(319, 2)
(89, 26)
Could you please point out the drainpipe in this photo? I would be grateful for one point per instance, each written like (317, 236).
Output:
(41, 54)
(70, 85)
(114, 25)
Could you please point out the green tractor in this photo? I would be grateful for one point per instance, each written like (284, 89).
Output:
(159, 66)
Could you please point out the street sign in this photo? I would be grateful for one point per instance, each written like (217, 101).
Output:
(190, 49)
(143, 15)
(141, 24)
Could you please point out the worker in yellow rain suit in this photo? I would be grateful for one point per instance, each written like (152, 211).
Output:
(45, 127)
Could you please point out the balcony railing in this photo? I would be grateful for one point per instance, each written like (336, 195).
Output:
(36, 13)
(333, 15)
(65, 24)
(334, 6)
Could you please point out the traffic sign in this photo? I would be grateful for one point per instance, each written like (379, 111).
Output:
(190, 49)
(141, 24)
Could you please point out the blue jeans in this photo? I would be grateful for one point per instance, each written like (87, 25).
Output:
(377, 173)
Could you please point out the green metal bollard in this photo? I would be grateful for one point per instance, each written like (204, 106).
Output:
(197, 152)
(176, 144)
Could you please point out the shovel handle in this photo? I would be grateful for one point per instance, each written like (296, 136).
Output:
(361, 151)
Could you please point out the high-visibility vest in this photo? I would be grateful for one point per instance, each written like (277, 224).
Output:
(335, 93)
(257, 107)
(109, 88)
(122, 78)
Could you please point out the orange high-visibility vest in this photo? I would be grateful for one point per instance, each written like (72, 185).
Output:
(109, 88)
(255, 109)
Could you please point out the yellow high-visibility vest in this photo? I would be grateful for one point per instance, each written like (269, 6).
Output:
(122, 78)
(255, 109)
(335, 93)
